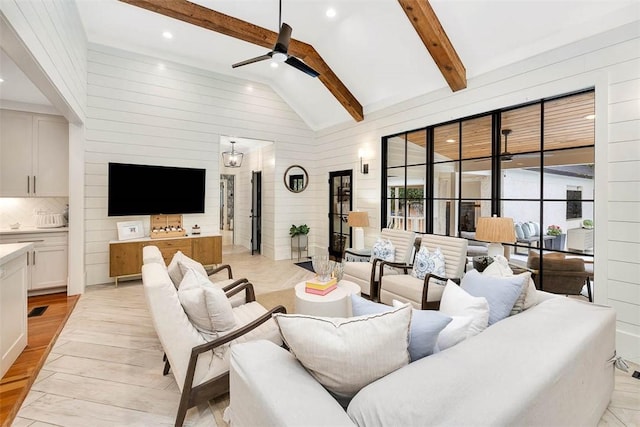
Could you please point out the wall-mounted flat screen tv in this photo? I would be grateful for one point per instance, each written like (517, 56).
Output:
(153, 190)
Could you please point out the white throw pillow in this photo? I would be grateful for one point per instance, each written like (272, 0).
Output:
(427, 262)
(207, 307)
(384, 250)
(528, 297)
(176, 271)
(457, 302)
(455, 332)
(346, 354)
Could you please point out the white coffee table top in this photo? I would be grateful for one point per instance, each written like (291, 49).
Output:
(336, 303)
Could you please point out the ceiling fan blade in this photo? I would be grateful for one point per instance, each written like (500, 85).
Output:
(284, 37)
(252, 60)
(296, 63)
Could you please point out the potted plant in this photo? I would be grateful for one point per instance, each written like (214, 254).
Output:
(299, 240)
(558, 242)
(587, 223)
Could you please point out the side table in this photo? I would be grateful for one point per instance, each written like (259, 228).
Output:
(357, 255)
(336, 303)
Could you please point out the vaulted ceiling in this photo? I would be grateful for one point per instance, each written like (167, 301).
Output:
(373, 46)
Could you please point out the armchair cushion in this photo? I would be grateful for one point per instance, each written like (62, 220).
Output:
(428, 262)
(333, 349)
(500, 292)
(207, 307)
(457, 302)
(406, 288)
(384, 250)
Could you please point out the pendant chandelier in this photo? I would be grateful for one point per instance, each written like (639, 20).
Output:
(233, 158)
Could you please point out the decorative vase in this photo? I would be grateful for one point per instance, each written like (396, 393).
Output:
(322, 267)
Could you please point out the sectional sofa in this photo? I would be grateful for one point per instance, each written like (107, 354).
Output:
(550, 365)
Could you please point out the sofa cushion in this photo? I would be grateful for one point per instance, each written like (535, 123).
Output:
(346, 354)
(176, 272)
(207, 306)
(526, 230)
(500, 292)
(425, 328)
(384, 250)
(457, 302)
(428, 263)
(519, 232)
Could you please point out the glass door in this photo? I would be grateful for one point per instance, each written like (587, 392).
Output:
(339, 207)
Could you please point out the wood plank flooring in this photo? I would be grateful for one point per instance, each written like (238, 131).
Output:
(106, 367)
(42, 331)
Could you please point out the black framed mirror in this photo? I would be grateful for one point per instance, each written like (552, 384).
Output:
(296, 179)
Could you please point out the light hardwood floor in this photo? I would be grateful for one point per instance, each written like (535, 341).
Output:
(106, 367)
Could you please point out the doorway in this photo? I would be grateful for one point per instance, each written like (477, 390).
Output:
(256, 212)
(227, 184)
(340, 203)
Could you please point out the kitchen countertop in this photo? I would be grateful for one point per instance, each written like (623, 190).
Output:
(9, 251)
(33, 229)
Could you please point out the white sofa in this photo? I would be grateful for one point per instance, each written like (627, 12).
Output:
(199, 367)
(549, 366)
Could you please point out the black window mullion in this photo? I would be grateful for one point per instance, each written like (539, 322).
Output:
(496, 165)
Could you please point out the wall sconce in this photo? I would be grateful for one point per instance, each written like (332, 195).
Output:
(364, 167)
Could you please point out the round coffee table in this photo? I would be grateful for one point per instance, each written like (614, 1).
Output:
(336, 303)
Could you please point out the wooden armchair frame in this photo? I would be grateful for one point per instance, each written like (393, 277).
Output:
(214, 387)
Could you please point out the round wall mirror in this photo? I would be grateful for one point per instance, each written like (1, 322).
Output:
(296, 179)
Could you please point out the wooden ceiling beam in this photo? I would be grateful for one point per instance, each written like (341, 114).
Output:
(428, 27)
(201, 16)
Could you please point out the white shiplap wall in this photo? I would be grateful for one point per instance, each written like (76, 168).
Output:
(54, 36)
(145, 110)
(611, 63)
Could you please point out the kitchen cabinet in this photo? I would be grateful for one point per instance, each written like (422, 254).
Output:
(47, 261)
(34, 155)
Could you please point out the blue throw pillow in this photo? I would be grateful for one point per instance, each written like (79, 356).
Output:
(426, 325)
(500, 292)
(519, 232)
(428, 262)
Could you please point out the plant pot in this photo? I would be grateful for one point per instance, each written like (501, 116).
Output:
(300, 242)
(557, 243)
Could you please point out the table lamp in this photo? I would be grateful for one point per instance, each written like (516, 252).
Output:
(357, 220)
(495, 230)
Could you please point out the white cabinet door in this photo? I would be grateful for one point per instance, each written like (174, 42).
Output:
(16, 153)
(50, 156)
(48, 267)
(13, 311)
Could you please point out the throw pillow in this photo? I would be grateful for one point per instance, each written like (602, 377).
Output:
(526, 230)
(500, 292)
(519, 232)
(207, 307)
(346, 354)
(528, 297)
(176, 272)
(457, 302)
(428, 263)
(424, 329)
(455, 332)
(384, 250)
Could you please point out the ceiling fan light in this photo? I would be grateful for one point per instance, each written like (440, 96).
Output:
(274, 64)
(279, 57)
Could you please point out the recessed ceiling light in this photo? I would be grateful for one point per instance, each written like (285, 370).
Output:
(590, 117)
(161, 66)
(1, 79)
(249, 88)
(331, 12)
(274, 64)
(451, 140)
(167, 35)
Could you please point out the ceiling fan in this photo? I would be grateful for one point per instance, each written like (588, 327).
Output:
(506, 156)
(280, 49)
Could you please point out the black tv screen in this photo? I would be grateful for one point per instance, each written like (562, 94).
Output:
(153, 190)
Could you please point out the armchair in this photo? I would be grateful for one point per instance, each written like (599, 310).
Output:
(366, 273)
(560, 275)
(426, 294)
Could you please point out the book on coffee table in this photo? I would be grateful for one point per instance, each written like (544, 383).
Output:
(320, 291)
(318, 285)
